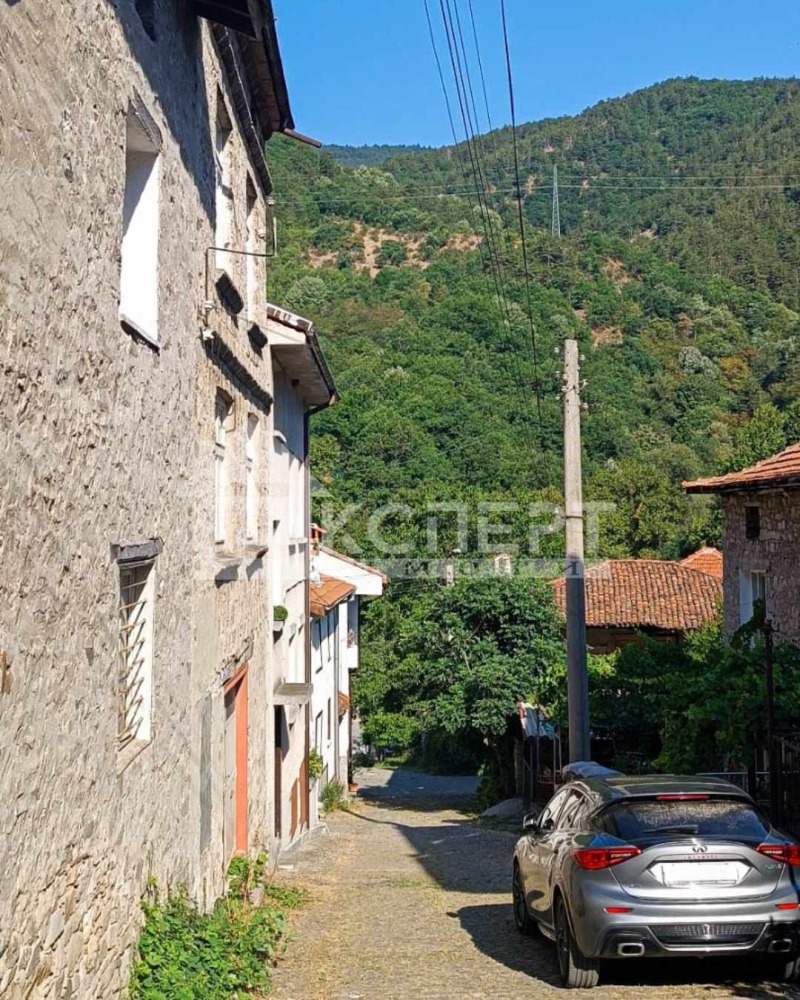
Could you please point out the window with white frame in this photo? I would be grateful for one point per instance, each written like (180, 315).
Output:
(137, 593)
(251, 478)
(752, 589)
(318, 732)
(138, 286)
(222, 418)
(224, 202)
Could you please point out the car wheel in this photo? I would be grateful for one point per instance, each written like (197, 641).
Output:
(522, 918)
(577, 971)
(783, 970)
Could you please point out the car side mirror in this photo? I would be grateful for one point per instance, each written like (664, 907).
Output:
(530, 823)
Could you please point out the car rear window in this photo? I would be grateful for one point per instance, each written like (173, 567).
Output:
(637, 819)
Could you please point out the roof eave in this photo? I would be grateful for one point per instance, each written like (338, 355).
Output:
(709, 486)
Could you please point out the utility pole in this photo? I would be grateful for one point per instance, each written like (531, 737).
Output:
(772, 756)
(577, 673)
(556, 223)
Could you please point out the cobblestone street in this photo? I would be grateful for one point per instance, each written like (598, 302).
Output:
(409, 898)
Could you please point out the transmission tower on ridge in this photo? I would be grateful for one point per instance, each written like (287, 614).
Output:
(556, 225)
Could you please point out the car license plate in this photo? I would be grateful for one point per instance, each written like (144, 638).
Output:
(676, 874)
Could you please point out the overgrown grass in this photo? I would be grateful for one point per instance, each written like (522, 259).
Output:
(226, 954)
(332, 797)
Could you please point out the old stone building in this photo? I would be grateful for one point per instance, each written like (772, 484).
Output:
(137, 653)
(761, 541)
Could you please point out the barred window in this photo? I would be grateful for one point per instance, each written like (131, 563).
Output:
(136, 652)
(752, 522)
(222, 420)
(251, 477)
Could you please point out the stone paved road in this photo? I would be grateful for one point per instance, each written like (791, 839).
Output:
(409, 898)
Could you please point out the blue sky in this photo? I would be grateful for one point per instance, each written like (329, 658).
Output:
(362, 71)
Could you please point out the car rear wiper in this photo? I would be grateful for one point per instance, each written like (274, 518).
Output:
(675, 829)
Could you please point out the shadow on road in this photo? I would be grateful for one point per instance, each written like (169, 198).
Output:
(467, 857)
(492, 930)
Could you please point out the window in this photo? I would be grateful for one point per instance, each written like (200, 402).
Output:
(147, 15)
(636, 821)
(222, 418)
(223, 232)
(330, 714)
(136, 588)
(138, 286)
(252, 248)
(569, 814)
(752, 522)
(251, 478)
(318, 732)
(552, 809)
(752, 588)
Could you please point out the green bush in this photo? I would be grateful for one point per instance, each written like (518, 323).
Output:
(316, 764)
(227, 954)
(332, 796)
(392, 252)
(390, 730)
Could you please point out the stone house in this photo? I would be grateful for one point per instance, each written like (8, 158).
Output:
(339, 586)
(628, 598)
(761, 540)
(140, 553)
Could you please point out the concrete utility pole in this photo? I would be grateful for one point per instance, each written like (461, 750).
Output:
(772, 756)
(577, 674)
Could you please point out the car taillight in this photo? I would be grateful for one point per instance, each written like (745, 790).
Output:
(682, 797)
(789, 854)
(594, 858)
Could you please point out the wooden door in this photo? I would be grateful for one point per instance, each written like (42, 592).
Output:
(229, 814)
(236, 752)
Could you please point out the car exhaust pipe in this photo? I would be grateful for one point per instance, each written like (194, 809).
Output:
(781, 946)
(630, 949)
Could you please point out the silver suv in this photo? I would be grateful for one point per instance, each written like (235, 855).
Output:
(625, 867)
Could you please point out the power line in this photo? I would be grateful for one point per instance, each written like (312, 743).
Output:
(521, 216)
(498, 288)
(465, 93)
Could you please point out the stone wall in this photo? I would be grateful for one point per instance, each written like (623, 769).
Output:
(108, 441)
(776, 553)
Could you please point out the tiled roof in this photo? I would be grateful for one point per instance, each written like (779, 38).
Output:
(705, 560)
(326, 594)
(778, 470)
(646, 593)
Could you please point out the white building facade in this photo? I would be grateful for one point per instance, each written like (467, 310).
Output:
(339, 585)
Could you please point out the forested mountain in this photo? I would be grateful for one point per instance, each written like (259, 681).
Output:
(369, 156)
(677, 269)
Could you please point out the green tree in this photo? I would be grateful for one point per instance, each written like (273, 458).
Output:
(457, 660)
(392, 253)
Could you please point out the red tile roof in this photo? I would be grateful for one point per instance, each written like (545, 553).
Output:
(705, 560)
(646, 593)
(326, 594)
(778, 470)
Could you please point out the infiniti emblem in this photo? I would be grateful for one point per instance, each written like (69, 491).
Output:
(706, 930)
(699, 849)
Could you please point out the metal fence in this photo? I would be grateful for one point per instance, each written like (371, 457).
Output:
(787, 777)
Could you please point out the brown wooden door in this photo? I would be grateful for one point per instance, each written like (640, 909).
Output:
(235, 778)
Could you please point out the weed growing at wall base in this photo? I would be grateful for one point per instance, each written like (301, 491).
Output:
(226, 954)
